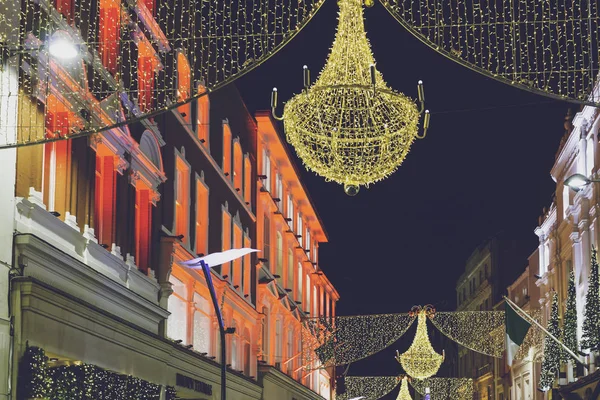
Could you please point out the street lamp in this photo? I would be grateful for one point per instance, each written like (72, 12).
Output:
(578, 181)
(205, 263)
(61, 46)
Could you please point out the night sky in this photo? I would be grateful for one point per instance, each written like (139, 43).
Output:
(483, 168)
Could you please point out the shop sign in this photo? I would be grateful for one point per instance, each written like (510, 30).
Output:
(193, 384)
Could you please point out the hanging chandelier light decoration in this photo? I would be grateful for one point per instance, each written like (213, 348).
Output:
(421, 361)
(349, 126)
(404, 393)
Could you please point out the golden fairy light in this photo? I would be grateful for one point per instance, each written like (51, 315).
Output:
(75, 68)
(421, 361)
(368, 387)
(404, 394)
(339, 340)
(350, 127)
(545, 46)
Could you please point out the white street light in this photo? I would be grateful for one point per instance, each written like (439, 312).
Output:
(205, 263)
(61, 46)
(578, 181)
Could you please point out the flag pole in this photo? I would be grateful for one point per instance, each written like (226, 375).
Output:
(524, 314)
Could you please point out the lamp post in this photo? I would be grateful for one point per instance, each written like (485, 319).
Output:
(205, 263)
(578, 181)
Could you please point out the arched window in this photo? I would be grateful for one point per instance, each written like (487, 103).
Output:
(238, 159)
(202, 117)
(227, 150)
(184, 87)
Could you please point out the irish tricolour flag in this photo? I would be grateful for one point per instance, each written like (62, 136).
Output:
(516, 329)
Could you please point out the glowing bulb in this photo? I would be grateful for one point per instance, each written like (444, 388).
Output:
(577, 182)
(62, 48)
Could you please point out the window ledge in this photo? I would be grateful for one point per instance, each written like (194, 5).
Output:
(32, 218)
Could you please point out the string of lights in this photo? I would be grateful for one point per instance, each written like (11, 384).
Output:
(78, 67)
(546, 46)
(350, 127)
(371, 387)
(342, 340)
(445, 388)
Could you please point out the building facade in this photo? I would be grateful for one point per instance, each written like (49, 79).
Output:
(93, 230)
(568, 231)
(480, 288)
(523, 376)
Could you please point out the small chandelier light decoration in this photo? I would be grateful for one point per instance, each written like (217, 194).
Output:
(349, 127)
(421, 361)
(404, 394)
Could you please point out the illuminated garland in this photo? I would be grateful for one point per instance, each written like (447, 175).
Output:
(473, 330)
(548, 46)
(84, 382)
(35, 380)
(420, 360)
(341, 340)
(445, 388)
(349, 127)
(371, 387)
(128, 59)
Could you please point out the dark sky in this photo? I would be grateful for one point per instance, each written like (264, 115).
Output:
(484, 167)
